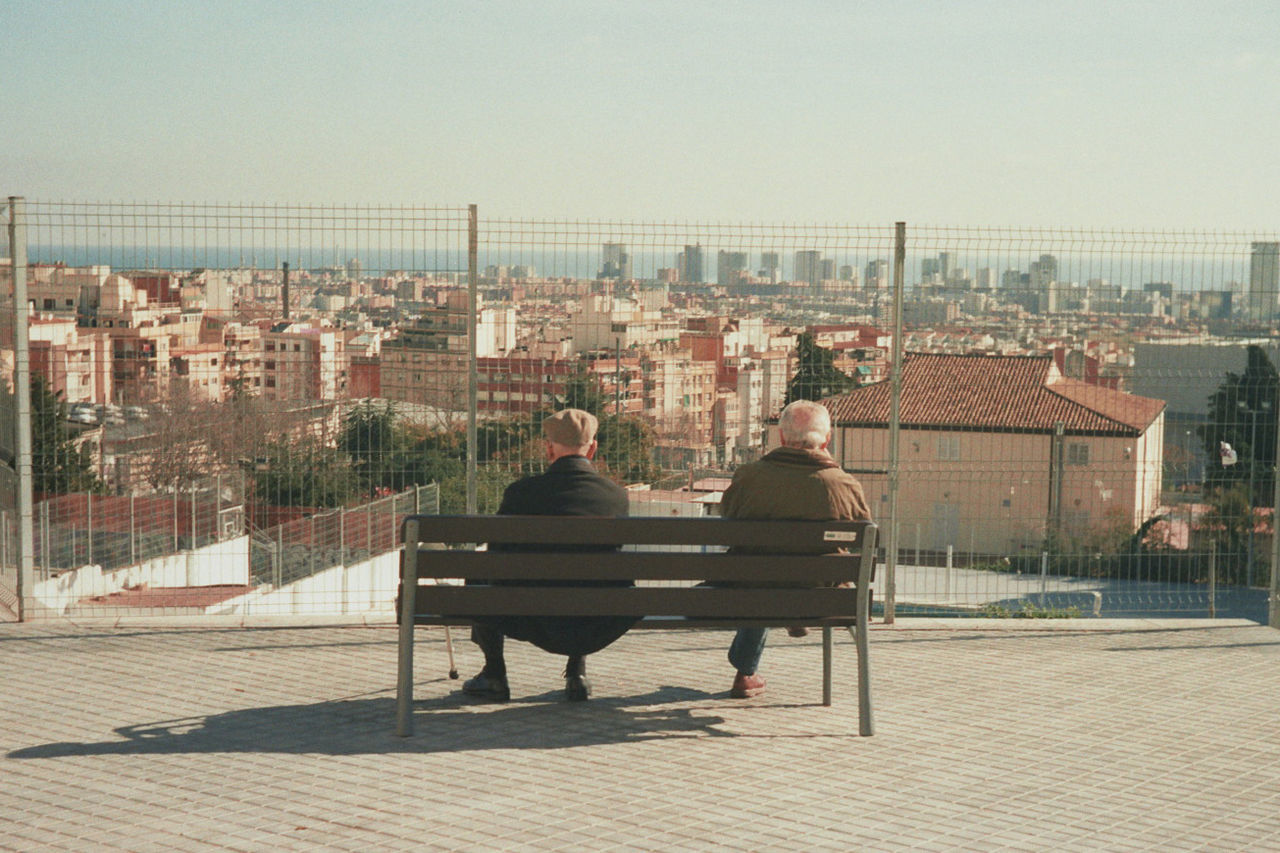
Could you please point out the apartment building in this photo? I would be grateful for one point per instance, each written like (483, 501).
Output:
(75, 362)
(303, 363)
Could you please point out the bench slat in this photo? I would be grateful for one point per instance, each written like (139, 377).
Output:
(682, 622)
(549, 529)
(630, 565)
(789, 605)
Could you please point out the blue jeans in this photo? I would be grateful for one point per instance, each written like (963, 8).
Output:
(746, 649)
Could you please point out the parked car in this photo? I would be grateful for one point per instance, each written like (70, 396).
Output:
(82, 413)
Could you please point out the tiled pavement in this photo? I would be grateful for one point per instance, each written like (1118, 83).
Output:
(1016, 735)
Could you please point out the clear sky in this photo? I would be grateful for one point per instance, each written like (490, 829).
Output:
(1143, 114)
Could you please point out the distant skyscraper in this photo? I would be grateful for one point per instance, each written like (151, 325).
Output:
(808, 266)
(616, 262)
(730, 268)
(1044, 271)
(846, 272)
(1264, 280)
(770, 266)
(946, 265)
(689, 264)
(828, 269)
(877, 275)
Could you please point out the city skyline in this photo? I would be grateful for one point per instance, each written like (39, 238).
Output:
(1126, 115)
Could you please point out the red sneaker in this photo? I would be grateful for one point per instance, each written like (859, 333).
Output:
(746, 686)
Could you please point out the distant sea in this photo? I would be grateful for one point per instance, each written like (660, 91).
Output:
(1186, 267)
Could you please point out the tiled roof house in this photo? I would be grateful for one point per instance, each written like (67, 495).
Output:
(981, 462)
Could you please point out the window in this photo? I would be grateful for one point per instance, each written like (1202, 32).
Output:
(1077, 453)
(949, 447)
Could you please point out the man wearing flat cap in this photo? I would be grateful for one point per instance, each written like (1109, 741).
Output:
(569, 486)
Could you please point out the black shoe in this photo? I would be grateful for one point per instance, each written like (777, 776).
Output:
(485, 686)
(577, 688)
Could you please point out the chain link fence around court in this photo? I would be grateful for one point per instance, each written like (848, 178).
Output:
(1046, 422)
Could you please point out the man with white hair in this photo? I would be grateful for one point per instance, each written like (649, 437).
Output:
(797, 481)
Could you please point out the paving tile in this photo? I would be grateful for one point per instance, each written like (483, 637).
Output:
(1134, 737)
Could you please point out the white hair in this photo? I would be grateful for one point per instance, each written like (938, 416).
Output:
(805, 423)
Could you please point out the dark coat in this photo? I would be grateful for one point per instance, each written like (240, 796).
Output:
(570, 486)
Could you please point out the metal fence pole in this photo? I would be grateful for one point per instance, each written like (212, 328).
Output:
(44, 536)
(895, 408)
(1273, 591)
(473, 242)
(133, 535)
(88, 533)
(22, 405)
(1213, 580)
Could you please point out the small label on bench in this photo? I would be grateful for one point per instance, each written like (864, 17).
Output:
(840, 536)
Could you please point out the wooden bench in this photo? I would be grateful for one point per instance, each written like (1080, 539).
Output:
(665, 556)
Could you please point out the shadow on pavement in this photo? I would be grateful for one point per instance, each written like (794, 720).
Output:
(447, 724)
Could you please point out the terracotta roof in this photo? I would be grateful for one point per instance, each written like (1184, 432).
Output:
(995, 393)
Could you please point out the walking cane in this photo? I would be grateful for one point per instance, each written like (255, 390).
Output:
(448, 645)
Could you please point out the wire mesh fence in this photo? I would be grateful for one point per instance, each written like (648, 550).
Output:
(1080, 422)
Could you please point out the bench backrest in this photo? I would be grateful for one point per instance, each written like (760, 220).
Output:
(654, 549)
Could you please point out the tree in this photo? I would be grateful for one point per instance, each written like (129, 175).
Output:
(626, 449)
(626, 443)
(380, 449)
(816, 375)
(1227, 525)
(58, 465)
(1242, 413)
(305, 473)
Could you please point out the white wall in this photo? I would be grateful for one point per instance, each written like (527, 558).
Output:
(223, 563)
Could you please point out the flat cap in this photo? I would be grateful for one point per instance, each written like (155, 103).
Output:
(570, 427)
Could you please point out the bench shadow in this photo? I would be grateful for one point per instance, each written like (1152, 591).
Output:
(445, 724)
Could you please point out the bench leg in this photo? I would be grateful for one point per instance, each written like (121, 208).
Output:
(826, 665)
(866, 727)
(408, 602)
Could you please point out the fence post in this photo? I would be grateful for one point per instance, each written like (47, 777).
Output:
(1273, 590)
(950, 568)
(895, 408)
(175, 519)
(1213, 580)
(22, 405)
(44, 536)
(473, 242)
(88, 533)
(133, 536)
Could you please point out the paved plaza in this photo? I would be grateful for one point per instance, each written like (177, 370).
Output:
(991, 735)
